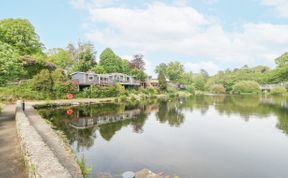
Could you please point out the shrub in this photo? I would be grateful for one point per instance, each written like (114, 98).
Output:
(278, 90)
(217, 89)
(95, 91)
(56, 83)
(243, 87)
(191, 89)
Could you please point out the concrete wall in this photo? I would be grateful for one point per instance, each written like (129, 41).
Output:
(39, 158)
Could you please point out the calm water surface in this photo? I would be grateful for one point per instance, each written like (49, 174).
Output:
(201, 137)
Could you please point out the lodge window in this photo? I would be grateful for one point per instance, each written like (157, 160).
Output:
(91, 78)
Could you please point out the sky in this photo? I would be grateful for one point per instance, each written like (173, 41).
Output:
(210, 34)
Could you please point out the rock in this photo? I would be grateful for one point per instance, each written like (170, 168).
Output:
(146, 173)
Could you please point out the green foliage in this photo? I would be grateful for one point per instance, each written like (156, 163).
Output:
(98, 69)
(174, 71)
(279, 90)
(60, 58)
(83, 56)
(199, 83)
(191, 89)
(102, 92)
(10, 64)
(56, 83)
(217, 89)
(20, 34)
(280, 74)
(139, 74)
(229, 78)
(84, 169)
(23, 91)
(162, 81)
(110, 61)
(282, 60)
(35, 64)
(243, 87)
(42, 82)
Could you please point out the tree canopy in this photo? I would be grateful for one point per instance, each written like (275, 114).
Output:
(20, 34)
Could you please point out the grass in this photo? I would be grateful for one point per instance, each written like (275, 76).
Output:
(1, 106)
(84, 168)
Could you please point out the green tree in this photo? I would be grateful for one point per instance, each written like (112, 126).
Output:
(161, 68)
(175, 71)
(162, 81)
(20, 34)
(217, 89)
(98, 69)
(110, 61)
(279, 90)
(139, 74)
(243, 87)
(42, 82)
(282, 60)
(199, 83)
(60, 58)
(10, 64)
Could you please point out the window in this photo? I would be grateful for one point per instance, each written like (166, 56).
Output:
(91, 78)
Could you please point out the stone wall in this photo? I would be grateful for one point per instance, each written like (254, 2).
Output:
(39, 158)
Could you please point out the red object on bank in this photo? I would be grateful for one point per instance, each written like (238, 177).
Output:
(69, 112)
(70, 96)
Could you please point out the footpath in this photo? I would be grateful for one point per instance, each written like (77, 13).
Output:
(11, 162)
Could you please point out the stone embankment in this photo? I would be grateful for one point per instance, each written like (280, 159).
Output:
(45, 154)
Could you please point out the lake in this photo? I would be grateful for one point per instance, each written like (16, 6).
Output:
(201, 137)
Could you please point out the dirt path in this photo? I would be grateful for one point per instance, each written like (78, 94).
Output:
(11, 162)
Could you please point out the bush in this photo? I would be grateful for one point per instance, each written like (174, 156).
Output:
(95, 91)
(191, 89)
(248, 87)
(56, 83)
(217, 89)
(278, 90)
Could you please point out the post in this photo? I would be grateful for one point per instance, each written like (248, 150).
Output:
(23, 105)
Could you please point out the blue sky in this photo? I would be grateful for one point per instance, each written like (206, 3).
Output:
(210, 34)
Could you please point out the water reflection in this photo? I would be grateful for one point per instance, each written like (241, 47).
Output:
(80, 125)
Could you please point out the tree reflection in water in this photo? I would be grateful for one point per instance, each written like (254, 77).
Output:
(80, 127)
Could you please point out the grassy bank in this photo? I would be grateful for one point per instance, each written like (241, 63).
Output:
(17, 92)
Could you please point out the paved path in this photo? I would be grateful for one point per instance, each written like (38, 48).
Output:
(11, 162)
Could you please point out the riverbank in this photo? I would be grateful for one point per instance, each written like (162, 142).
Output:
(32, 128)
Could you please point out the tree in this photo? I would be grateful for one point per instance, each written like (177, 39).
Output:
(279, 90)
(282, 60)
(98, 69)
(217, 89)
(161, 68)
(137, 62)
(175, 71)
(139, 74)
(42, 82)
(84, 56)
(246, 87)
(162, 81)
(204, 73)
(60, 58)
(20, 34)
(110, 61)
(10, 64)
(199, 83)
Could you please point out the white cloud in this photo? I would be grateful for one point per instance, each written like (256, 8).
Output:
(280, 6)
(209, 66)
(182, 30)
